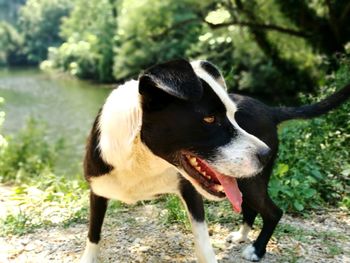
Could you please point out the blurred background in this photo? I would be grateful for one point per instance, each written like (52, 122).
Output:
(273, 49)
(60, 58)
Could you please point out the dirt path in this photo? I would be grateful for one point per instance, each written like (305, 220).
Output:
(138, 235)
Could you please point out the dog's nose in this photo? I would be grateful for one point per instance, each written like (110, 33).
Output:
(264, 155)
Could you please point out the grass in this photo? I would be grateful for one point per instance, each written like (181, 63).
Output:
(37, 208)
(42, 197)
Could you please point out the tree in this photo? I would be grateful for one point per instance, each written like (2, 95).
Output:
(9, 10)
(11, 45)
(39, 22)
(273, 48)
(325, 24)
(92, 22)
(150, 32)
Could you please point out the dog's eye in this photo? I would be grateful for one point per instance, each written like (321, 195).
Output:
(209, 119)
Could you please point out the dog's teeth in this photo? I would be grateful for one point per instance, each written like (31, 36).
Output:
(219, 188)
(193, 161)
(198, 168)
(206, 175)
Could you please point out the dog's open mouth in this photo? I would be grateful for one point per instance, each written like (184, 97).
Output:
(212, 181)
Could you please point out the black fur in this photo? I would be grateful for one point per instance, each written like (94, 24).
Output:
(93, 162)
(174, 78)
(193, 200)
(211, 69)
(313, 110)
(164, 114)
(98, 207)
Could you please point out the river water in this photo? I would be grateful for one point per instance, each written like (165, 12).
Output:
(67, 107)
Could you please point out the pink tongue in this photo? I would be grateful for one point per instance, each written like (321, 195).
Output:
(231, 190)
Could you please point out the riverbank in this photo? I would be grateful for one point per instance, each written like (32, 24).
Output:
(139, 234)
(63, 106)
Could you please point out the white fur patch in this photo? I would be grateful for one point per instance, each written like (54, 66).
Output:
(90, 253)
(120, 123)
(237, 158)
(249, 253)
(217, 88)
(204, 250)
(203, 247)
(240, 236)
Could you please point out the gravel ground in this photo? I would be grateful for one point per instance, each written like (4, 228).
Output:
(138, 235)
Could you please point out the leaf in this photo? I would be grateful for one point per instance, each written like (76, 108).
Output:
(282, 168)
(298, 206)
(346, 172)
(309, 193)
(316, 173)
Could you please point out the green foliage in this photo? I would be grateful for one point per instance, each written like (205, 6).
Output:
(46, 201)
(17, 224)
(89, 32)
(39, 22)
(3, 142)
(175, 212)
(150, 32)
(74, 57)
(107, 40)
(43, 198)
(263, 47)
(9, 10)
(29, 155)
(314, 159)
(247, 64)
(244, 66)
(11, 44)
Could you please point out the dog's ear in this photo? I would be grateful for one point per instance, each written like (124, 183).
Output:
(171, 80)
(210, 69)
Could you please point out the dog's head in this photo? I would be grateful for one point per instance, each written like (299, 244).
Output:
(188, 119)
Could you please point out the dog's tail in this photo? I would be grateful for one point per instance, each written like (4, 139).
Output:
(310, 111)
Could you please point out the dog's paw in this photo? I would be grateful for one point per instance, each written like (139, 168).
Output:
(249, 253)
(88, 259)
(90, 253)
(236, 237)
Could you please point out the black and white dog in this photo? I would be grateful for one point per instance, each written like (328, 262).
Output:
(176, 130)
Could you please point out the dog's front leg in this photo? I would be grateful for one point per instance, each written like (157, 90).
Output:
(195, 208)
(98, 207)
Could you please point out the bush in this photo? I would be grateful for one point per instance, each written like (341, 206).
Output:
(27, 155)
(313, 165)
(44, 198)
(74, 57)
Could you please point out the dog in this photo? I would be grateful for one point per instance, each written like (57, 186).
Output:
(176, 130)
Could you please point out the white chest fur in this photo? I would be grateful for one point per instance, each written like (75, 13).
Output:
(138, 183)
(138, 174)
